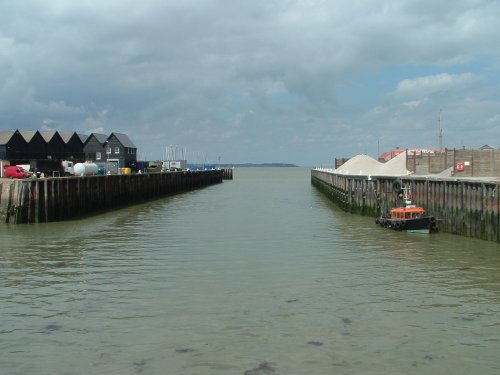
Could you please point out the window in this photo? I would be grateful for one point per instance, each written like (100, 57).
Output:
(117, 150)
(97, 156)
(108, 150)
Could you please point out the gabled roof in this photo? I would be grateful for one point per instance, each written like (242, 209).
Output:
(48, 135)
(101, 138)
(29, 134)
(123, 139)
(5, 136)
(486, 147)
(83, 137)
(66, 136)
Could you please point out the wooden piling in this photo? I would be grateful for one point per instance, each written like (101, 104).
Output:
(464, 207)
(53, 199)
(227, 174)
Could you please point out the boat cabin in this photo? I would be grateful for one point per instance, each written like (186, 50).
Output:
(405, 213)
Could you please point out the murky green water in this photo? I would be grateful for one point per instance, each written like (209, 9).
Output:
(259, 275)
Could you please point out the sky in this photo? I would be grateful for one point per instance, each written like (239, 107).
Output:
(231, 81)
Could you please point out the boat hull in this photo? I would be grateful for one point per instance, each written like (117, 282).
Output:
(416, 225)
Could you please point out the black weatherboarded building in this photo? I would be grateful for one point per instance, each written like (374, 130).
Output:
(12, 144)
(119, 148)
(36, 147)
(116, 148)
(94, 147)
(73, 145)
(55, 147)
(24, 147)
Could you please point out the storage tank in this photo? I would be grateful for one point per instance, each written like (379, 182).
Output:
(85, 169)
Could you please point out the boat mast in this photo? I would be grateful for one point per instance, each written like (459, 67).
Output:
(407, 195)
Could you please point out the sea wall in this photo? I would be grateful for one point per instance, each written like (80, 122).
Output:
(53, 199)
(463, 207)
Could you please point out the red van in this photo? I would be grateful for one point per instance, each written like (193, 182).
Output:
(14, 171)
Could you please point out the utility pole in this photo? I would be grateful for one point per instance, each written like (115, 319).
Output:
(440, 131)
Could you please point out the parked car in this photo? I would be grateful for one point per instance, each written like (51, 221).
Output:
(15, 171)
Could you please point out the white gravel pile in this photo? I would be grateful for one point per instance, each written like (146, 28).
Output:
(359, 165)
(394, 167)
(364, 165)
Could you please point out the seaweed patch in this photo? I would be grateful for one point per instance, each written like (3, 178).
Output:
(52, 327)
(263, 369)
(139, 366)
(315, 343)
(184, 350)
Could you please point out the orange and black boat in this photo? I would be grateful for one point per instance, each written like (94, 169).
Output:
(409, 218)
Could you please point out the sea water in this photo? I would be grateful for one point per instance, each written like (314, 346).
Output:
(258, 275)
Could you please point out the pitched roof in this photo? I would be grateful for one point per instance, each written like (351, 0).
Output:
(5, 136)
(83, 137)
(66, 136)
(486, 147)
(28, 134)
(48, 135)
(101, 138)
(123, 139)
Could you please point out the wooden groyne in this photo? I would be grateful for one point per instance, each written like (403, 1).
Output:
(463, 207)
(53, 199)
(227, 174)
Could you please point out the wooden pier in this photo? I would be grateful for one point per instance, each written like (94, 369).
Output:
(53, 199)
(466, 207)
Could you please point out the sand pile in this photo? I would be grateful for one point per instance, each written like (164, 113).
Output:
(364, 165)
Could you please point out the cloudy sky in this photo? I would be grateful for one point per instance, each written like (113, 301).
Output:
(296, 81)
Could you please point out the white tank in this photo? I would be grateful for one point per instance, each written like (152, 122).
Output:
(85, 169)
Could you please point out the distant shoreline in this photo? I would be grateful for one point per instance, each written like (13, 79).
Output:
(249, 165)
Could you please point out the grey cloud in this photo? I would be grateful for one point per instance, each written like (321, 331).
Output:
(184, 72)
